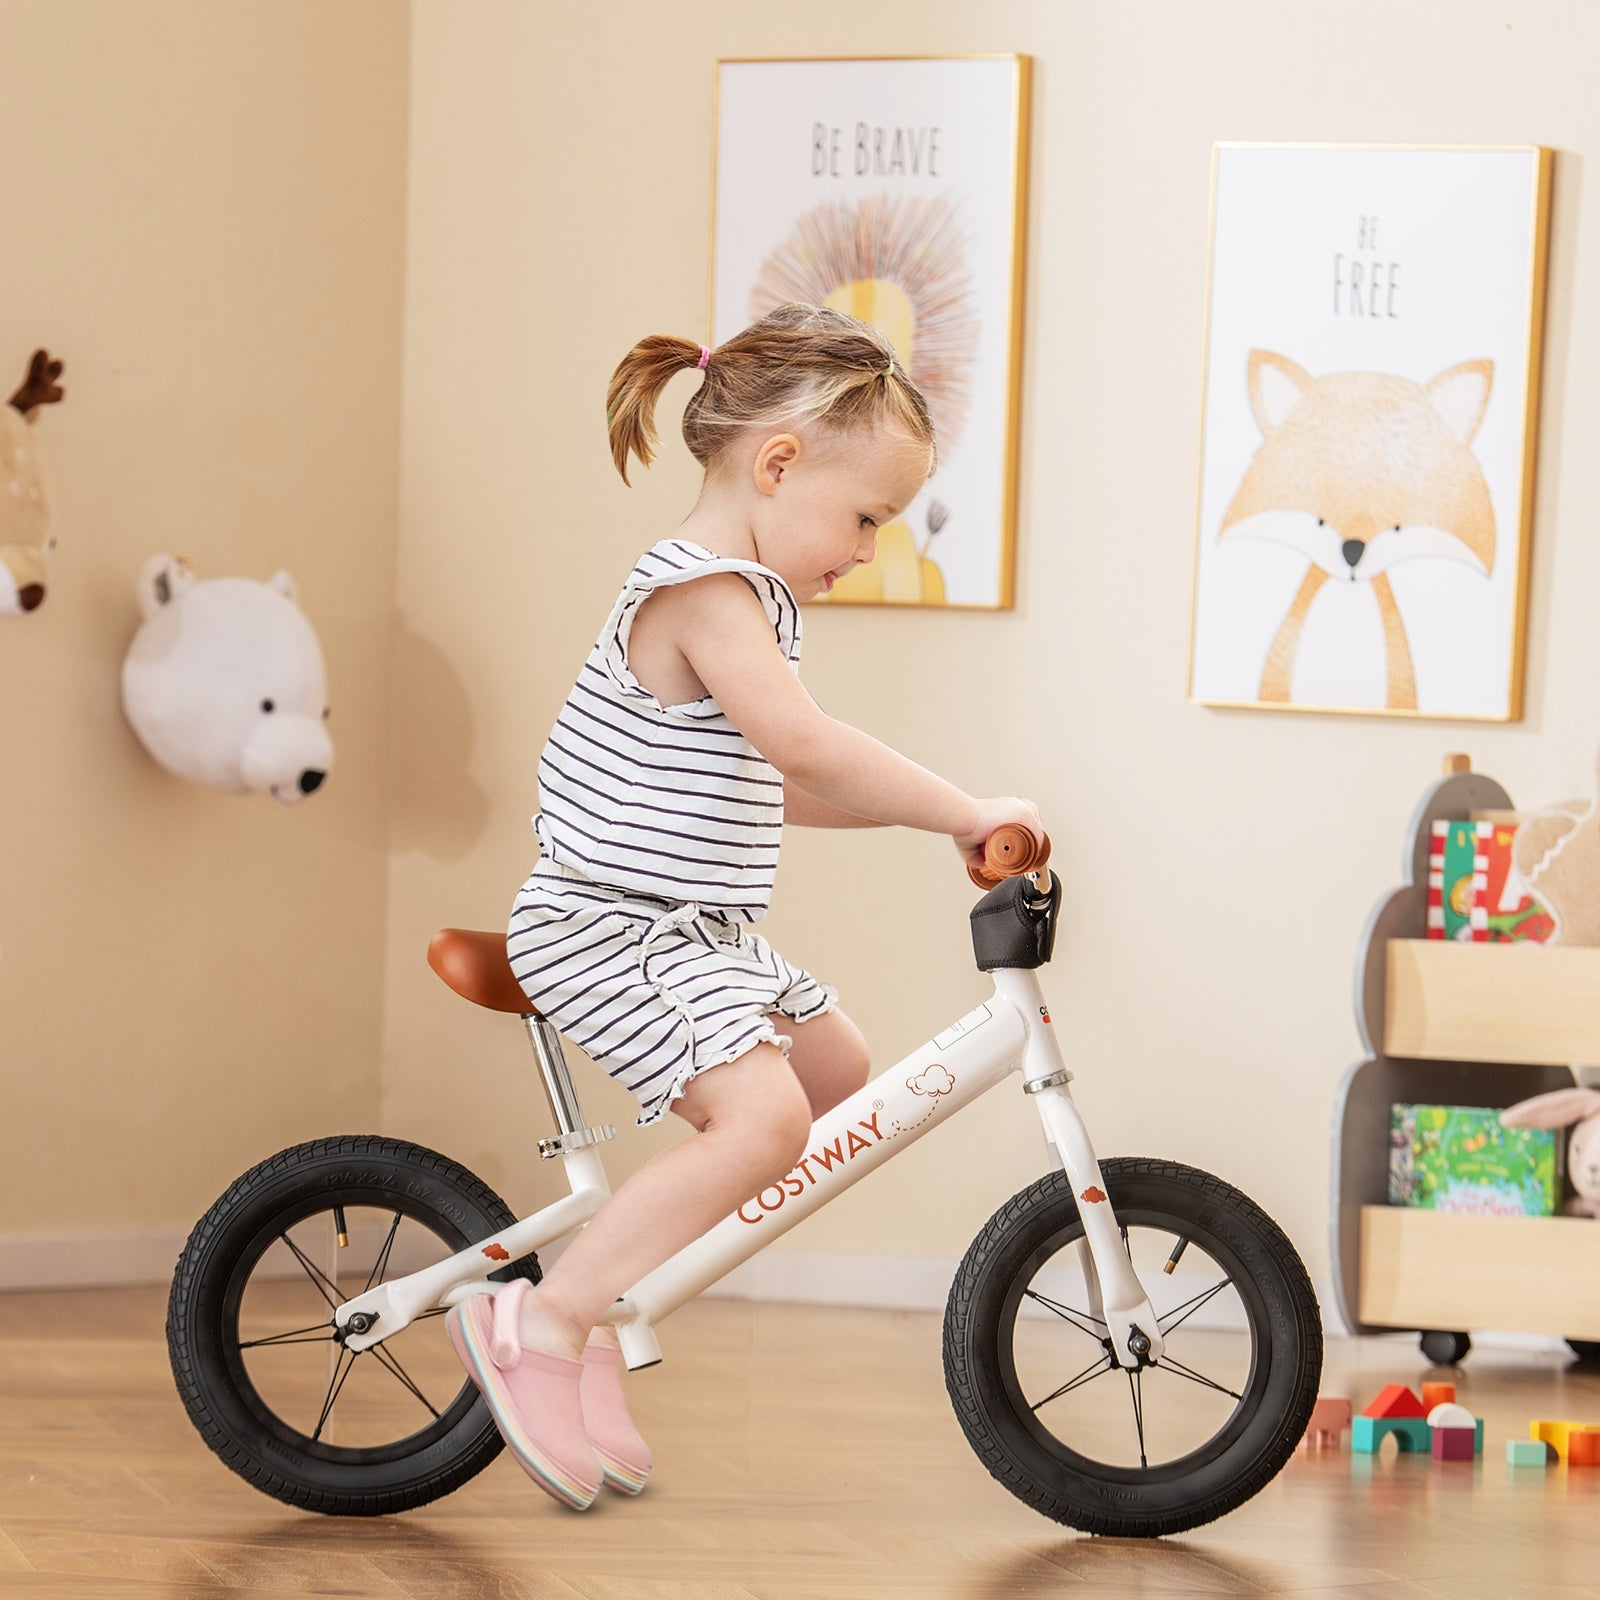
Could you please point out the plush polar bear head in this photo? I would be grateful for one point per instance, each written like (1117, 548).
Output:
(224, 683)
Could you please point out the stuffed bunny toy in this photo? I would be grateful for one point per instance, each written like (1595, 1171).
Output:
(1580, 1107)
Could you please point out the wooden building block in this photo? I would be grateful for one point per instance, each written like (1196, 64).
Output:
(1454, 1444)
(1395, 1400)
(1437, 1394)
(1368, 1433)
(1329, 1418)
(1583, 1447)
(1554, 1434)
(1528, 1453)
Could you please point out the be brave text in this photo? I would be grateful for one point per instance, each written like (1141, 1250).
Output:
(874, 150)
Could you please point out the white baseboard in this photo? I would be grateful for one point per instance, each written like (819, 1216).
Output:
(88, 1260)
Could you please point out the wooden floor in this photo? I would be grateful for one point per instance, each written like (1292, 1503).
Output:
(801, 1452)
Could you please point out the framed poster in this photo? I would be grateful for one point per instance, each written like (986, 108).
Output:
(1373, 330)
(894, 189)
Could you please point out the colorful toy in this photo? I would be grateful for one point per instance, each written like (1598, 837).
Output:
(1395, 1400)
(1438, 1394)
(1580, 1108)
(1528, 1453)
(1583, 1447)
(1368, 1433)
(1454, 1444)
(1448, 1416)
(1554, 1434)
(1329, 1418)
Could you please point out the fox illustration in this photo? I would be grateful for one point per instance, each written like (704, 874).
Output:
(1372, 470)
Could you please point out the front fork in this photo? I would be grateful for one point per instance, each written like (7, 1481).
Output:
(1116, 1296)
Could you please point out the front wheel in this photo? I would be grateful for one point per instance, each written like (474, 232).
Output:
(1185, 1438)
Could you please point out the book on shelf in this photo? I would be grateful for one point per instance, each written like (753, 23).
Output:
(1460, 1159)
(1510, 914)
(1457, 873)
(1475, 892)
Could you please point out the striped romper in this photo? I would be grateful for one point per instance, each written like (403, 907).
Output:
(658, 835)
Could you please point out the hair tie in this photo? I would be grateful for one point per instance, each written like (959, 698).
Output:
(705, 358)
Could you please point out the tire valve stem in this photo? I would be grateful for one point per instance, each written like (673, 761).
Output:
(339, 1227)
(1172, 1260)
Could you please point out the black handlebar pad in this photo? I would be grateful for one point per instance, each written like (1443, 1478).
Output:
(1014, 925)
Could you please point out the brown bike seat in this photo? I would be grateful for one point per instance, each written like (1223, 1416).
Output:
(476, 966)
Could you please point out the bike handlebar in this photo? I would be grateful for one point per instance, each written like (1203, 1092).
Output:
(1010, 851)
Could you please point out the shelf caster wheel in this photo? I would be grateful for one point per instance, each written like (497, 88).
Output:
(1444, 1349)
(1585, 1349)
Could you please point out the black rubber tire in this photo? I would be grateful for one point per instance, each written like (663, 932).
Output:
(1585, 1349)
(352, 1170)
(1442, 1348)
(1133, 1502)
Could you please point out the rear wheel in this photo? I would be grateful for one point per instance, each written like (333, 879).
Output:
(1185, 1438)
(257, 1357)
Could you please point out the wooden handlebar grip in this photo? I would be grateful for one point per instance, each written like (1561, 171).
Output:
(1009, 851)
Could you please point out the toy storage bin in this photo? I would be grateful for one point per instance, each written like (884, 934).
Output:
(1458, 1024)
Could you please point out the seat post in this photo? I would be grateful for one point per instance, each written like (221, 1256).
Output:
(571, 1134)
(558, 1086)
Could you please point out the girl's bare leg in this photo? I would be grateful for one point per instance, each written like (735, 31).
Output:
(752, 1117)
(829, 1057)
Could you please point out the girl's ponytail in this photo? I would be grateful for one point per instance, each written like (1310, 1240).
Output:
(631, 398)
(799, 366)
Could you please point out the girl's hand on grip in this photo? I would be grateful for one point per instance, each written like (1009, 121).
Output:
(991, 815)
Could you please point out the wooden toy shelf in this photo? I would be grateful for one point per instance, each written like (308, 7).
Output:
(1458, 1024)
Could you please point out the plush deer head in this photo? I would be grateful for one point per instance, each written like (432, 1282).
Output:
(25, 537)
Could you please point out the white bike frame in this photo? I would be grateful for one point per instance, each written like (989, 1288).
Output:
(1010, 1031)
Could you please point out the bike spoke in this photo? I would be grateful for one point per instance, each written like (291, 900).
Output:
(1167, 1364)
(1068, 1314)
(1192, 1305)
(389, 1364)
(1088, 1375)
(340, 1373)
(383, 1255)
(325, 1329)
(1136, 1394)
(317, 1276)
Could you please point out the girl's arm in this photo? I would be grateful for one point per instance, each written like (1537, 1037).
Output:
(808, 811)
(719, 625)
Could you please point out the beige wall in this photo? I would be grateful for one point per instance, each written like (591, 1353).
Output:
(560, 207)
(215, 231)
(205, 218)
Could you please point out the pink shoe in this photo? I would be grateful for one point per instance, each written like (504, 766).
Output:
(532, 1397)
(625, 1458)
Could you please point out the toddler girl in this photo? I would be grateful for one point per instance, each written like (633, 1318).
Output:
(685, 746)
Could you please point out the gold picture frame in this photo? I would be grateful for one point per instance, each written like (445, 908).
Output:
(885, 217)
(1375, 439)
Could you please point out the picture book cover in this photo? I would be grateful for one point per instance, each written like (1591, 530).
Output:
(1464, 866)
(1459, 1158)
(1439, 832)
(1510, 914)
